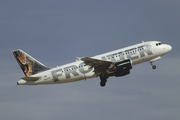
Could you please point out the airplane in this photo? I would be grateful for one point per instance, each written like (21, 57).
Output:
(115, 63)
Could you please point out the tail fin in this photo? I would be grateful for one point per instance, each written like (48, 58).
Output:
(28, 64)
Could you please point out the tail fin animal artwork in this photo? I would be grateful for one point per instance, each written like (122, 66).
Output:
(28, 64)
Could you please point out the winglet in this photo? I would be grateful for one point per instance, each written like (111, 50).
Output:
(78, 58)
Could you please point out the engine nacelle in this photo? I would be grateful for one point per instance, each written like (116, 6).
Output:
(120, 68)
(123, 65)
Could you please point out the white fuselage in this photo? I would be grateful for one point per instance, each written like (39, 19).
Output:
(139, 53)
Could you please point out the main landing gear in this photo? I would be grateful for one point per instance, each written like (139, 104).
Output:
(153, 66)
(103, 77)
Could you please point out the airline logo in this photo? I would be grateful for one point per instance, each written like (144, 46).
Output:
(77, 70)
(130, 54)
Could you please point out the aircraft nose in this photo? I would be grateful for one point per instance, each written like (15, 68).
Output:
(168, 48)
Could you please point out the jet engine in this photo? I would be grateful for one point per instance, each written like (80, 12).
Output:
(120, 68)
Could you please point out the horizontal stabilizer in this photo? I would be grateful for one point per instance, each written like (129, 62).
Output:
(30, 78)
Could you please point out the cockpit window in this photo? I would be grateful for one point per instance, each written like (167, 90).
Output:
(157, 44)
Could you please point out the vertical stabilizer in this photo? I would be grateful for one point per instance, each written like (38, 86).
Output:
(28, 64)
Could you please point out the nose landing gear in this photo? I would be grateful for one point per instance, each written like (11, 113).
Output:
(151, 62)
(153, 66)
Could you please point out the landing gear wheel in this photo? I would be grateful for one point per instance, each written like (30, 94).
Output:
(102, 84)
(153, 67)
(103, 79)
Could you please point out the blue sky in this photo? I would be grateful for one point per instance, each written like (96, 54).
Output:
(56, 32)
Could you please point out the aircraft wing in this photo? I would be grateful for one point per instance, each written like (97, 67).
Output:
(95, 62)
(98, 65)
(120, 68)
